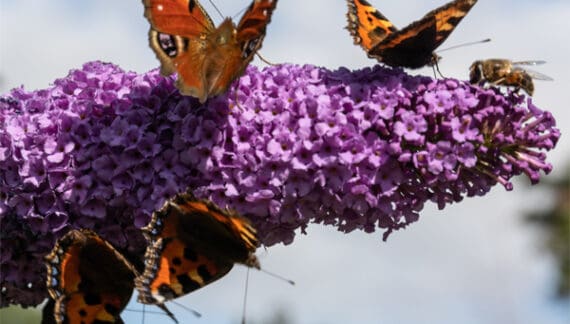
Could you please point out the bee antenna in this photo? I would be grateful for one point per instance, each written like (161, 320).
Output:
(486, 40)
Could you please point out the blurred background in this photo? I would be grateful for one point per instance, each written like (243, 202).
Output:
(495, 259)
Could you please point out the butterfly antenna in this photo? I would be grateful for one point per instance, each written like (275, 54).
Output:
(168, 312)
(239, 13)
(274, 275)
(143, 314)
(264, 60)
(486, 40)
(196, 313)
(143, 311)
(245, 296)
(216, 8)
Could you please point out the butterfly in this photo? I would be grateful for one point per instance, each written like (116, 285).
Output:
(410, 47)
(192, 243)
(506, 73)
(88, 280)
(207, 58)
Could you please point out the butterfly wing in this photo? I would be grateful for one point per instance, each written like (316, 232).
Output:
(366, 24)
(89, 281)
(186, 18)
(191, 244)
(252, 27)
(48, 316)
(231, 59)
(177, 36)
(175, 269)
(216, 232)
(413, 45)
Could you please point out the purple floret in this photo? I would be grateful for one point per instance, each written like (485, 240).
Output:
(286, 146)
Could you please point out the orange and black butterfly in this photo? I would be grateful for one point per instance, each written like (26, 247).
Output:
(192, 243)
(410, 47)
(206, 58)
(88, 281)
(506, 73)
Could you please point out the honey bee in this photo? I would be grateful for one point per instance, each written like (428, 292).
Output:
(507, 73)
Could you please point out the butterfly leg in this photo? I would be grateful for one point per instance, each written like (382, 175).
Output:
(435, 68)
(264, 60)
(236, 99)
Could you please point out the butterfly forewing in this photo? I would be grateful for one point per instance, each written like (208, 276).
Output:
(251, 28)
(367, 25)
(184, 18)
(448, 17)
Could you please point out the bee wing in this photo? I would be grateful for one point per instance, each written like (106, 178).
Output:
(533, 62)
(537, 75)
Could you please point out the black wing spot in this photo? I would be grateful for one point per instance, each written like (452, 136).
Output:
(92, 299)
(190, 254)
(204, 273)
(191, 5)
(187, 283)
(112, 310)
(167, 292)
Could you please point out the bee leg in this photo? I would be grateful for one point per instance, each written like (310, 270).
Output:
(497, 82)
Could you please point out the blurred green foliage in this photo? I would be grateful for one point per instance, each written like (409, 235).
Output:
(19, 315)
(555, 221)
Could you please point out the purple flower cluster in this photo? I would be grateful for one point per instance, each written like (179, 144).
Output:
(103, 148)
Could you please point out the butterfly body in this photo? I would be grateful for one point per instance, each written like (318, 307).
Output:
(207, 58)
(505, 72)
(410, 47)
(191, 244)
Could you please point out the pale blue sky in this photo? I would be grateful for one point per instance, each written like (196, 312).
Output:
(475, 262)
